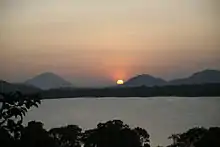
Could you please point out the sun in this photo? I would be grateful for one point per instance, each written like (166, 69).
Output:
(120, 82)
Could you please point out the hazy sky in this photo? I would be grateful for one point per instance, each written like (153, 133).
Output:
(95, 42)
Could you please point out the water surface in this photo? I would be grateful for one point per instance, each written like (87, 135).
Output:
(160, 116)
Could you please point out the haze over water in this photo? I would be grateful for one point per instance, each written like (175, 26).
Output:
(160, 116)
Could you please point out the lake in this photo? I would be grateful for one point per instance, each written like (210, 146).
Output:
(160, 116)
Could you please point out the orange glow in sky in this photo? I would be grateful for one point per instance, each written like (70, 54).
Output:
(98, 42)
(119, 75)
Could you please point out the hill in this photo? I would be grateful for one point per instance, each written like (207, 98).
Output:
(6, 87)
(145, 80)
(202, 77)
(48, 81)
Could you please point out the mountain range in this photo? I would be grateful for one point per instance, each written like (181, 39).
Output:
(201, 77)
(50, 80)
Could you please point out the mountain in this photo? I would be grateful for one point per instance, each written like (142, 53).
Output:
(48, 81)
(202, 77)
(145, 80)
(6, 87)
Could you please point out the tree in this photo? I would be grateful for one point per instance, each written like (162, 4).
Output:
(144, 136)
(68, 136)
(211, 138)
(189, 138)
(14, 106)
(34, 135)
(115, 134)
(175, 138)
(5, 138)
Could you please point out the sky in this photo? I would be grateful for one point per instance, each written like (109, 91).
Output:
(96, 42)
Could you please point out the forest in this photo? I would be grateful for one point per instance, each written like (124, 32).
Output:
(141, 91)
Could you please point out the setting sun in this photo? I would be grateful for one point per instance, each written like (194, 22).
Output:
(120, 82)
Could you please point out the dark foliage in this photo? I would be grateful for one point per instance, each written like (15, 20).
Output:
(14, 106)
(34, 135)
(197, 137)
(69, 136)
(211, 138)
(115, 134)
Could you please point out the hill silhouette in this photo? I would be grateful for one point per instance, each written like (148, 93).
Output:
(202, 77)
(6, 87)
(145, 80)
(48, 80)
(203, 83)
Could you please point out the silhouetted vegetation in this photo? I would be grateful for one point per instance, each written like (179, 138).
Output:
(143, 91)
(68, 136)
(109, 134)
(197, 137)
(14, 106)
(34, 135)
(115, 134)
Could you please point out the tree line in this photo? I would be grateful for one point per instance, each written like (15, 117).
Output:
(114, 133)
(142, 91)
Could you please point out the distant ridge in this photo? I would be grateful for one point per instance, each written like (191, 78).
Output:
(207, 76)
(145, 80)
(203, 83)
(6, 87)
(203, 77)
(48, 80)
